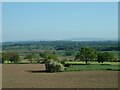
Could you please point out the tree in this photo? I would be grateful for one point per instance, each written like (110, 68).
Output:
(108, 56)
(10, 56)
(105, 56)
(5, 57)
(15, 58)
(42, 55)
(86, 54)
(68, 53)
(31, 57)
(46, 56)
(52, 56)
(100, 57)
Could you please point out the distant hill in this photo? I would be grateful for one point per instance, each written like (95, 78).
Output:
(69, 39)
(92, 39)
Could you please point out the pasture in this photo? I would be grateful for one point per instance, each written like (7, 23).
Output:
(81, 66)
(35, 76)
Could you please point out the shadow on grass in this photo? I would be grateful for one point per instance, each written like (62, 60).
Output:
(36, 71)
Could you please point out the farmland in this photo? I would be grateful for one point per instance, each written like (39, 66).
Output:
(62, 49)
(0, 76)
(59, 44)
(80, 66)
(30, 70)
(34, 76)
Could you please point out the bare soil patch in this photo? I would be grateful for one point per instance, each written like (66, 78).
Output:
(35, 76)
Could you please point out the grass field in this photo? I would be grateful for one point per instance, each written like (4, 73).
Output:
(92, 63)
(81, 66)
(92, 67)
(34, 76)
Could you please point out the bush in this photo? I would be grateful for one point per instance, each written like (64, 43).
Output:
(53, 66)
(10, 57)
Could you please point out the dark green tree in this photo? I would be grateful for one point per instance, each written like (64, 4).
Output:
(100, 57)
(15, 58)
(68, 53)
(5, 57)
(105, 56)
(86, 54)
(46, 56)
(31, 57)
(43, 55)
(10, 56)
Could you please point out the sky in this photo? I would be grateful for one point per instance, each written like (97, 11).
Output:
(24, 21)
(0, 23)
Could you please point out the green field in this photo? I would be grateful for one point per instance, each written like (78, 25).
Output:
(92, 63)
(81, 66)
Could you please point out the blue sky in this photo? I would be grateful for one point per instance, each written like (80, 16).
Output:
(0, 23)
(57, 20)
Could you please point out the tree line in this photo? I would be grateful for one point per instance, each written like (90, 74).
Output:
(60, 45)
(88, 54)
(85, 54)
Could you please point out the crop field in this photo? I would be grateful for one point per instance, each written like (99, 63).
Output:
(35, 76)
(59, 45)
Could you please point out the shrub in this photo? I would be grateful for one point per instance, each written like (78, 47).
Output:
(63, 62)
(10, 57)
(53, 66)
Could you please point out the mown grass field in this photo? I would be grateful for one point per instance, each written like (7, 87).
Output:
(35, 76)
(92, 63)
(81, 66)
(92, 67)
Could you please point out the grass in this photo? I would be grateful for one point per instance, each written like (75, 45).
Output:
(92, 63)
(92, 67)
(81, 66)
